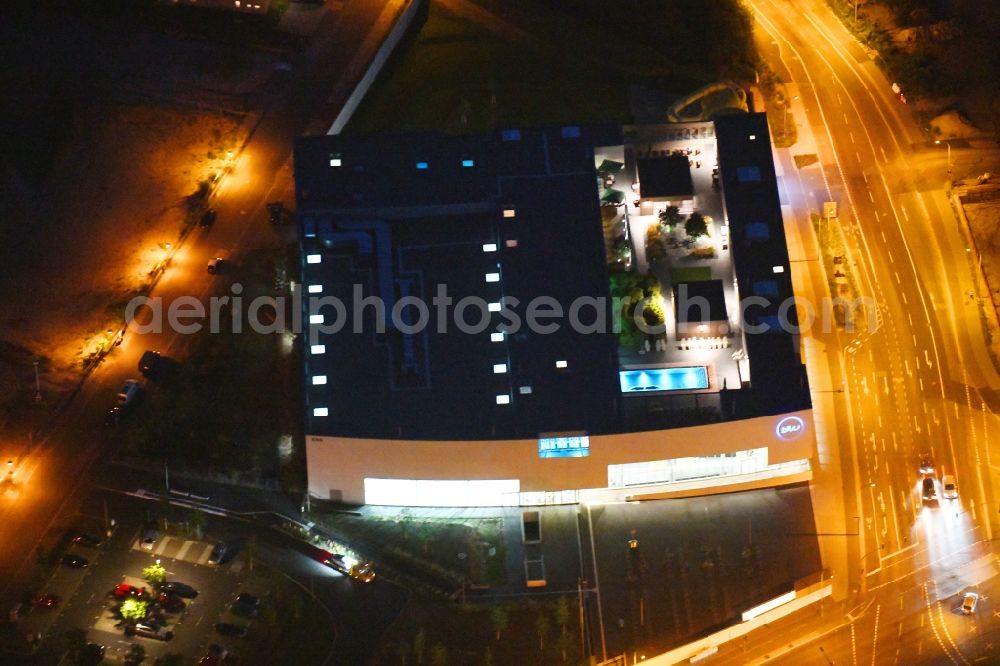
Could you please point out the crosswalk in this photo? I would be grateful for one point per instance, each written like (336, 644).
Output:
(176, 548)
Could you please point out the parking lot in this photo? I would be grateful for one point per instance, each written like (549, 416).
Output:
(87, 600)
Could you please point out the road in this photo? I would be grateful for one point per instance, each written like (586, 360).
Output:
(52, 481)
(918, 380)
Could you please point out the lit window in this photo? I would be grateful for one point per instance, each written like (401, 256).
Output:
(561, 364)
(468, 163)
(571, 446)
(313, 258)
(319, 380)
(421, 165)
(489, 247)
(317, 349)
(316, 319)
(492, 277)
(503, 399)
(321, 411)
(525, 390)
(509, 212)
(496, 337)
(511, 135)
(499, 368)
(315, 289)
(335, 160)
(778, 269)
(494, 307)
(753, 137)
(512, 242)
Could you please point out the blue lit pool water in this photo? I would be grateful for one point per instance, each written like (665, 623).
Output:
(664, 379)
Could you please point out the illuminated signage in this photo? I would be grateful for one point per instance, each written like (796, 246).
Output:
(789, 428)
(572, 446)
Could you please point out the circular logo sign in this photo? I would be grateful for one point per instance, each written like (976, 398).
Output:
(789, 428)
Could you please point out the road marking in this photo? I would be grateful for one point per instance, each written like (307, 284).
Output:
(163, 545)
(909, 373)
(203, 558)
(858, 155)
(927, 357)
(184, 549)
(884, 239)
(878, 610)
(851, 134)
(884, 157)
(871, 196)
(846, 121)
(921, 384)
(903, 294)
(889, 252)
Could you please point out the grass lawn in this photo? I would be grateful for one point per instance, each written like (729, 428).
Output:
(457, 77)
(690, 274)
(536, 631)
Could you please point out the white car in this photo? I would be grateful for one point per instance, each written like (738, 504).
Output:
(130, 389)
(969, 603)
(149, 538)
(950, 487)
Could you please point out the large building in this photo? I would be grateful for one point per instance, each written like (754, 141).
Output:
(465, 342)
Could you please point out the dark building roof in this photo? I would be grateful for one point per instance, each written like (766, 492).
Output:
(760, 256)
(663, 177)
(701, 301)
(397, 230)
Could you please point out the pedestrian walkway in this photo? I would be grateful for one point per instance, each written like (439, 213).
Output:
(178, 548)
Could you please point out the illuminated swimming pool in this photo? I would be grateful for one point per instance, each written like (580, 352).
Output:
(685, 378)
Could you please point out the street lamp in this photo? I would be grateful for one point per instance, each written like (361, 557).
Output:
(38, 385)
(946, 143)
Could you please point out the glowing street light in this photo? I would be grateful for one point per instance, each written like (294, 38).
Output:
(946, 143)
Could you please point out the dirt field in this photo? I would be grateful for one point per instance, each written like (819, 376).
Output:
(109, 130)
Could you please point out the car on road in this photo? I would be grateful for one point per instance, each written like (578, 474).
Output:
(113, 416)
(180, 589)
(969, 603)
(208, 218)
(149, 629)
(232, 630)
(358, 570)
(149, 362)
(926, 464)
(74, 561)
(45, 600)
(171, 603)
(950, 487)
(130, 389)
(89, 540)
(124, 591)
(149, 538)
(928, 490)
(218, 553)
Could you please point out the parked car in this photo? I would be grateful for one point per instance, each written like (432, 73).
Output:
(92, 654)
(149, 362)
(124, 591)
(74, 561)
(950, 487)
(208, 218)
(45, 601)
(969, 603)
(244, 609)
(180, 589)
(233, 630)
(89, 540)
(170, 602)
(149, 629)
(130, 389)
(149, 538)
(218, 553)
(217, 263)
(245, 599)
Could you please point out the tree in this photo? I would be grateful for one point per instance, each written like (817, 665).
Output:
(696, 225)
(170, 659)
(500, 617)
(670, 217)
(419, 644)
(133, 610)
(542, 627)
(154, 574)
(136, 654)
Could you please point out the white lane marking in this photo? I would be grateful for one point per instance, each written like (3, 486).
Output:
(927, 357)
(884, 239)
(898, 281)
(851, 134)
(889, 252)
(871, 196)
(906, 364)
(902, 208)
(884, 157)
(903, 294)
